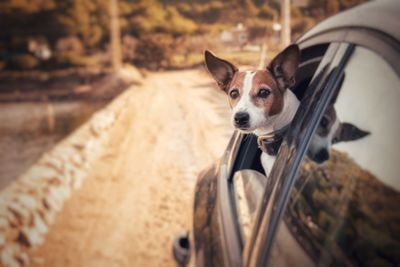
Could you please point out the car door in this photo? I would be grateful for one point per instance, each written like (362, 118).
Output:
(338, 209)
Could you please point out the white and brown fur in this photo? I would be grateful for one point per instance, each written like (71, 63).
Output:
(262, 103)
(265, 114)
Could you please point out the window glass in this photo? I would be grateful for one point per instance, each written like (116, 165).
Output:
(343, 209)
(249, 177)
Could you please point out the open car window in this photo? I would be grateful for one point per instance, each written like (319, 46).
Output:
(342, 210)
(248, 176)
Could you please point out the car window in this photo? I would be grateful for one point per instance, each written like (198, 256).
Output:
(249, 177)
(342, 210)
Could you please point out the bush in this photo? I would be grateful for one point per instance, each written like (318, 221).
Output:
(23, 62)
(267, 12)
(129, 44)
(154, 51)
(68, 59)
(70, 44)
(301, 25)
(2, 64)
(178, 24)
(258, 28)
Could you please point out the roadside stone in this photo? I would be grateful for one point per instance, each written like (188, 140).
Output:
(62, 192)
(29, 205)
(39, 224)
(21, 213)
(22, 258)
(78, 177)
(52, 201)
(53, 162)
(130, 74)
(30, 237)
(25, 186)
(102, 122)
(47, 215)
(43, 172)
(90, 148)
(56, 181)
(79, 144)
(66, 177)
(77, 160)
(65, 153)
(7, 256)
(12, 219)
(95, 130)
(27, 201)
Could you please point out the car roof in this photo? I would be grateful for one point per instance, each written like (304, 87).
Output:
(379, 15)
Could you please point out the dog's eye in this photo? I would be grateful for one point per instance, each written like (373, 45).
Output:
(263, 93)
(234, 93)
(324, 122)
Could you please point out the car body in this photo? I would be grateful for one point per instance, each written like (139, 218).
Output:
(343, 212)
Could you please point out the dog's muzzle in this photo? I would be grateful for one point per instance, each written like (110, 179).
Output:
(242, 119)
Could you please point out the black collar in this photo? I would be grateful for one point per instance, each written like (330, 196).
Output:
(270, 143)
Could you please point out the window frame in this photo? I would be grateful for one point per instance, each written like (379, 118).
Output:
(293, 149)
(295, 176)
(235, 158)
(255, 252)
(263, 237)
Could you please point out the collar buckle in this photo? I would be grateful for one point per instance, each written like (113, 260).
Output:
(271, 142)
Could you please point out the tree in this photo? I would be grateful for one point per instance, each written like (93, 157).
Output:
(115, 35)
(86, 19)
(24, 19)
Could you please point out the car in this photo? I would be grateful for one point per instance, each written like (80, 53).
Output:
(342, 211)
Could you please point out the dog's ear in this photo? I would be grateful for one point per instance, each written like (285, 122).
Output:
(284, 66)
(221, 70)
(348, 132)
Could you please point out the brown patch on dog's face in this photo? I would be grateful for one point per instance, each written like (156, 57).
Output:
(236, 84)
(327, 122)
(264, 92)
(272, 104)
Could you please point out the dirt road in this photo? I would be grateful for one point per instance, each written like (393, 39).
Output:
(140, 194)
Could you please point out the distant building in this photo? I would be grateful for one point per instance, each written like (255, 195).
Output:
(39, 49)
(237, 36)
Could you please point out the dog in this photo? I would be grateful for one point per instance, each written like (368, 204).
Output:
(263, 104)
(331, 131)
(260, 99)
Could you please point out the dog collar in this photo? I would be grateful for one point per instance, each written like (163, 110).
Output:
(270, 143)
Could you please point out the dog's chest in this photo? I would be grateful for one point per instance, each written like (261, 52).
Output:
(267, 161)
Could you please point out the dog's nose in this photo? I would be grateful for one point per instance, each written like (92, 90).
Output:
(322, 155)
(242, 118)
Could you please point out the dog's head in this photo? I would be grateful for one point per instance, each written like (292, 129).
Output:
(255, 96)
(331, 131)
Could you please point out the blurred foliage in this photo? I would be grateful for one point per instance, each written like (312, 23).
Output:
(87, 20)
(151, 16)
(154, 51)
(69, 59)
(23, 62)
(82, 26)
